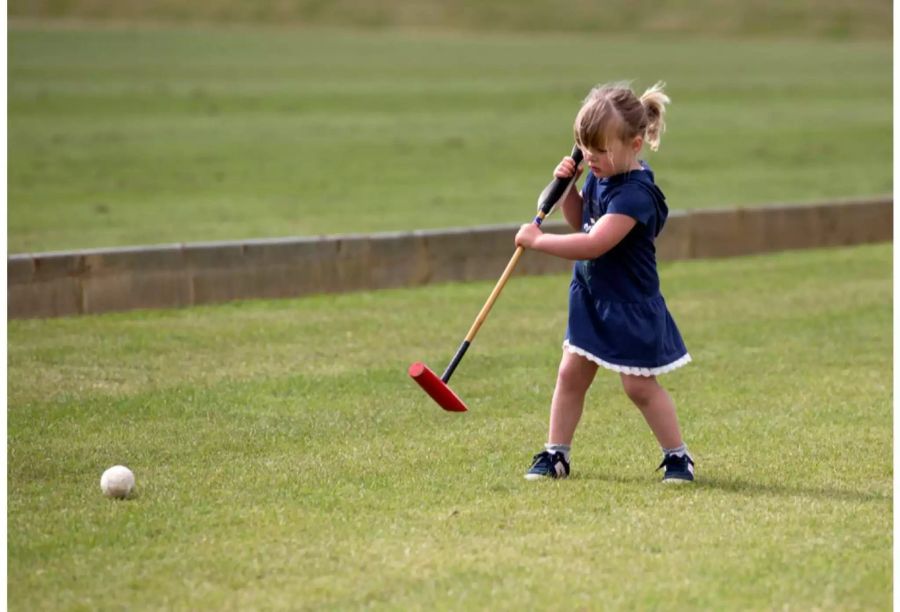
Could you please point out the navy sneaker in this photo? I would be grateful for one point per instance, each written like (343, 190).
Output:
(548, 465)
(678, 468)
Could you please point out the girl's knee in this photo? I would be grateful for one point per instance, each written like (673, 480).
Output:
(639, 389)
(575, 372)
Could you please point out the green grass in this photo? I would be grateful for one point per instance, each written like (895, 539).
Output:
(284, 460)
(134, 135)
(836, 19)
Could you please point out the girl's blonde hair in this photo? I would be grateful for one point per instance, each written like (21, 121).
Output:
(614, 110)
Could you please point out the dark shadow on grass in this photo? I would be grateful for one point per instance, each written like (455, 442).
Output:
(735, 485)
(745, 487)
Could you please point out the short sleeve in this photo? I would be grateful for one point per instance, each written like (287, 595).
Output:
(634, 201)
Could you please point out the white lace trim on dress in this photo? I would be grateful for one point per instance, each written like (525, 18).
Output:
(634, 371)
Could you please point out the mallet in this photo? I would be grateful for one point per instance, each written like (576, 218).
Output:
(437, 387)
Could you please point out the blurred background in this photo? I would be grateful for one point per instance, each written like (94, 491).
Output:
(153, 122)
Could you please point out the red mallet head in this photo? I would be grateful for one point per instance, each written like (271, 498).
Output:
(436, 388)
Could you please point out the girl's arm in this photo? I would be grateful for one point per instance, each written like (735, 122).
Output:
(606, 233)
(571, 206)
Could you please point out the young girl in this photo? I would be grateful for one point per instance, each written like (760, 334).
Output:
(617, 316)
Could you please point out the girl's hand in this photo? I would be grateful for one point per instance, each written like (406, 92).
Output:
(528, 235)
(567, 168)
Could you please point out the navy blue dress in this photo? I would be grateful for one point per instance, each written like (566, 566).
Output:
(617, 315)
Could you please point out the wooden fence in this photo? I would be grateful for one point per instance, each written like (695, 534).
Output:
(106, 280)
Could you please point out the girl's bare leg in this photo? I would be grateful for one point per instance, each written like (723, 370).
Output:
(657, 407)
(572, 382)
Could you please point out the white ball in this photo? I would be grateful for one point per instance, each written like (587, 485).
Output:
(117, 481)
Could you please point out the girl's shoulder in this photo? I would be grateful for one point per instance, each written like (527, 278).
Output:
(639, 184)
(639, 198)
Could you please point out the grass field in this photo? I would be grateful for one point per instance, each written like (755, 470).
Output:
(134, 135)
(834, 19)
(284, 460)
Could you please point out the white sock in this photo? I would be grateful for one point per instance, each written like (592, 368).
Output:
(565, 449)
(680, 451)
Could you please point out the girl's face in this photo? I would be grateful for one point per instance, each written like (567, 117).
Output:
(616, 158)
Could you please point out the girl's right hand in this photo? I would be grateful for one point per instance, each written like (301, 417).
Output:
(567, 168)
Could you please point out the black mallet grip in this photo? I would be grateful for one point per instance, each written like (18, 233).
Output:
(558, 187)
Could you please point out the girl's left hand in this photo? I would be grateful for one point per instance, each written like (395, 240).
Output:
(528, 235)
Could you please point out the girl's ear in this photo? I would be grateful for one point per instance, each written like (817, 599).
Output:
(637, 144)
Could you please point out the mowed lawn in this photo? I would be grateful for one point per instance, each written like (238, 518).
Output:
(121, 136)
(285, 461)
